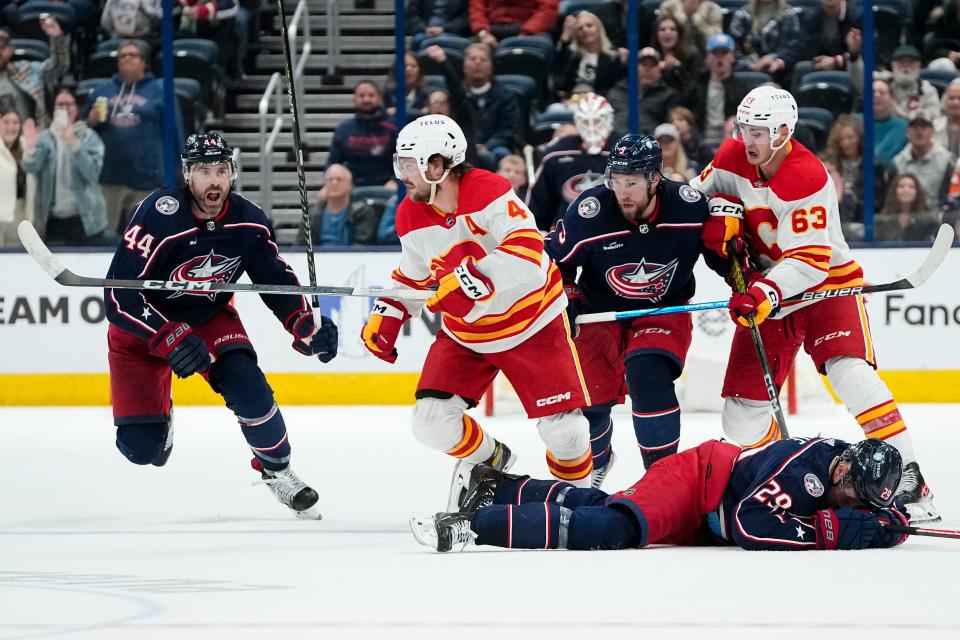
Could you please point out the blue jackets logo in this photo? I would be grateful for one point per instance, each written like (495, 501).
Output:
(643, 280)
(212, 268)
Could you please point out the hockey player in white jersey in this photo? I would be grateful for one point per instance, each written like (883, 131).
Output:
(465, 232)
(792, 229)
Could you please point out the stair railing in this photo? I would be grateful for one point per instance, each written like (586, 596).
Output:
(275, 86)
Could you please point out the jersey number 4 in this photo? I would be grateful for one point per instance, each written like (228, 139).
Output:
(802, 220)
(144, 245)
(514, 210)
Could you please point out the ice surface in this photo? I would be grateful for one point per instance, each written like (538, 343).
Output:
(94, 547)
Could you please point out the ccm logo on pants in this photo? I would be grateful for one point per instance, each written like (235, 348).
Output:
(831, 336)
(560, 397)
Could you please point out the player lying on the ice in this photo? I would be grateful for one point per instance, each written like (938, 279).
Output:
(795, 494)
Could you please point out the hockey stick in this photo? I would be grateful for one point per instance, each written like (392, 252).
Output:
(938, 252)
(741, 286)
(51, 264)
(298, 148)
(923, 531)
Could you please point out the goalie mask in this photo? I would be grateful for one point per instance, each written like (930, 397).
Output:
(593, 117)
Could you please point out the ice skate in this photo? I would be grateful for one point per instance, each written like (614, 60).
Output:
(600, 474)
(481, 486)
(444, 531)
(290, 490)
(916, 495)
(501, 460)
(167, 446)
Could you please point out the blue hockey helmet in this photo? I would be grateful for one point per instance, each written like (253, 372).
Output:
(634, 153)
(207, 148)
(875, 470)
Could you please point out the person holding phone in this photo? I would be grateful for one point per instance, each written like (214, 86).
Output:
(66, 158)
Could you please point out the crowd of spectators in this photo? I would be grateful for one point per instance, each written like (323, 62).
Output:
(511, 72)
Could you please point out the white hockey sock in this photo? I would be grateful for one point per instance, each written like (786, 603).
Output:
(867, 397)
(442, 424)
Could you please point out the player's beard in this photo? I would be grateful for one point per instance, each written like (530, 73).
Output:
(212, 206)
(419, 194)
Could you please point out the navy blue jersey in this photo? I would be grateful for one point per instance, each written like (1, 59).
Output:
(628, 265)
(774, 492)
(165, 242)
(564, 173)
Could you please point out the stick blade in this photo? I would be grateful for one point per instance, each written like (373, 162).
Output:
(34, 245)
(941, 246)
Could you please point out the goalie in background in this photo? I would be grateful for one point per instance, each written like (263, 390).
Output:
(793, 234)
(203, 232)
(792, 495)
(467, 233)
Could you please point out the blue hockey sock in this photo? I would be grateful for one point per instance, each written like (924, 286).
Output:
(237, 377)
(656, 411)
(601, 432)
(550, 526)
(526, 490)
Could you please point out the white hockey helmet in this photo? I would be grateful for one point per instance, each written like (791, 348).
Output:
(769, 107)
(593, 117)
(426, 137)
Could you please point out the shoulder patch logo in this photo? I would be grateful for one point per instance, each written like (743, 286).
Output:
(689, 194)
(813, 485)
(167, 205)
(589, 208)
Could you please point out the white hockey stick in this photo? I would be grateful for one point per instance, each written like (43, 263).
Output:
(39, 251)
(938, 252)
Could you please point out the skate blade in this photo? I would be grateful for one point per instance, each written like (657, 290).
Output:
(311, 513)
(923, 512)
(423, 531)
(461, 475)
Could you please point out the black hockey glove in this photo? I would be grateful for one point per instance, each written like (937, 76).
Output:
(179, 345)
(309, 339)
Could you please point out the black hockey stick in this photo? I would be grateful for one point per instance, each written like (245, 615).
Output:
(923, 531)
(51, 264)
(768, 381)
(298, 148)
(941, 246)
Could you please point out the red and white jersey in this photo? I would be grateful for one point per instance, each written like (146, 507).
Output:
(494, 226)
(792, 222)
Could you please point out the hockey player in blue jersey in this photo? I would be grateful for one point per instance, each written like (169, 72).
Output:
(203, 232)
(636, 240)
(789, 495)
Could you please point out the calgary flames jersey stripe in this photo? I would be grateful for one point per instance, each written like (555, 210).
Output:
(410, 282)
(515, 320)
(523, 253)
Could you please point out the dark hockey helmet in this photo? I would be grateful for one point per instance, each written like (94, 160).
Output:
(874, 472)
(207, 148)
(634, 153)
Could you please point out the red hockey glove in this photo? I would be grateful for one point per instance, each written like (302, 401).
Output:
(574, 306)
(460, 290)
(309, 339)
(723, 226)
(186, 353)
(761, 299)
(383, 327)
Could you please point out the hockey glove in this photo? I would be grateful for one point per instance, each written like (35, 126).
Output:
(382, 328)
(176, 343)
(723, 228)
(460, 290)
(574, 306)
(846, 529)
(761, 299)
(309, 339)
(894, 514)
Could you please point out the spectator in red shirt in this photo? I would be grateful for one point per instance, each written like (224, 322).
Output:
(493, 20)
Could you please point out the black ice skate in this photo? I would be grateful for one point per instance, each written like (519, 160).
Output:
(290, 490)
(167, 444)
(600, 473)
(916, 495)
(501, 460)
(444, 531)
(481, 486)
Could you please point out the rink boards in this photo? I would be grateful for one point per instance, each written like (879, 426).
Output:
(54, 338)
